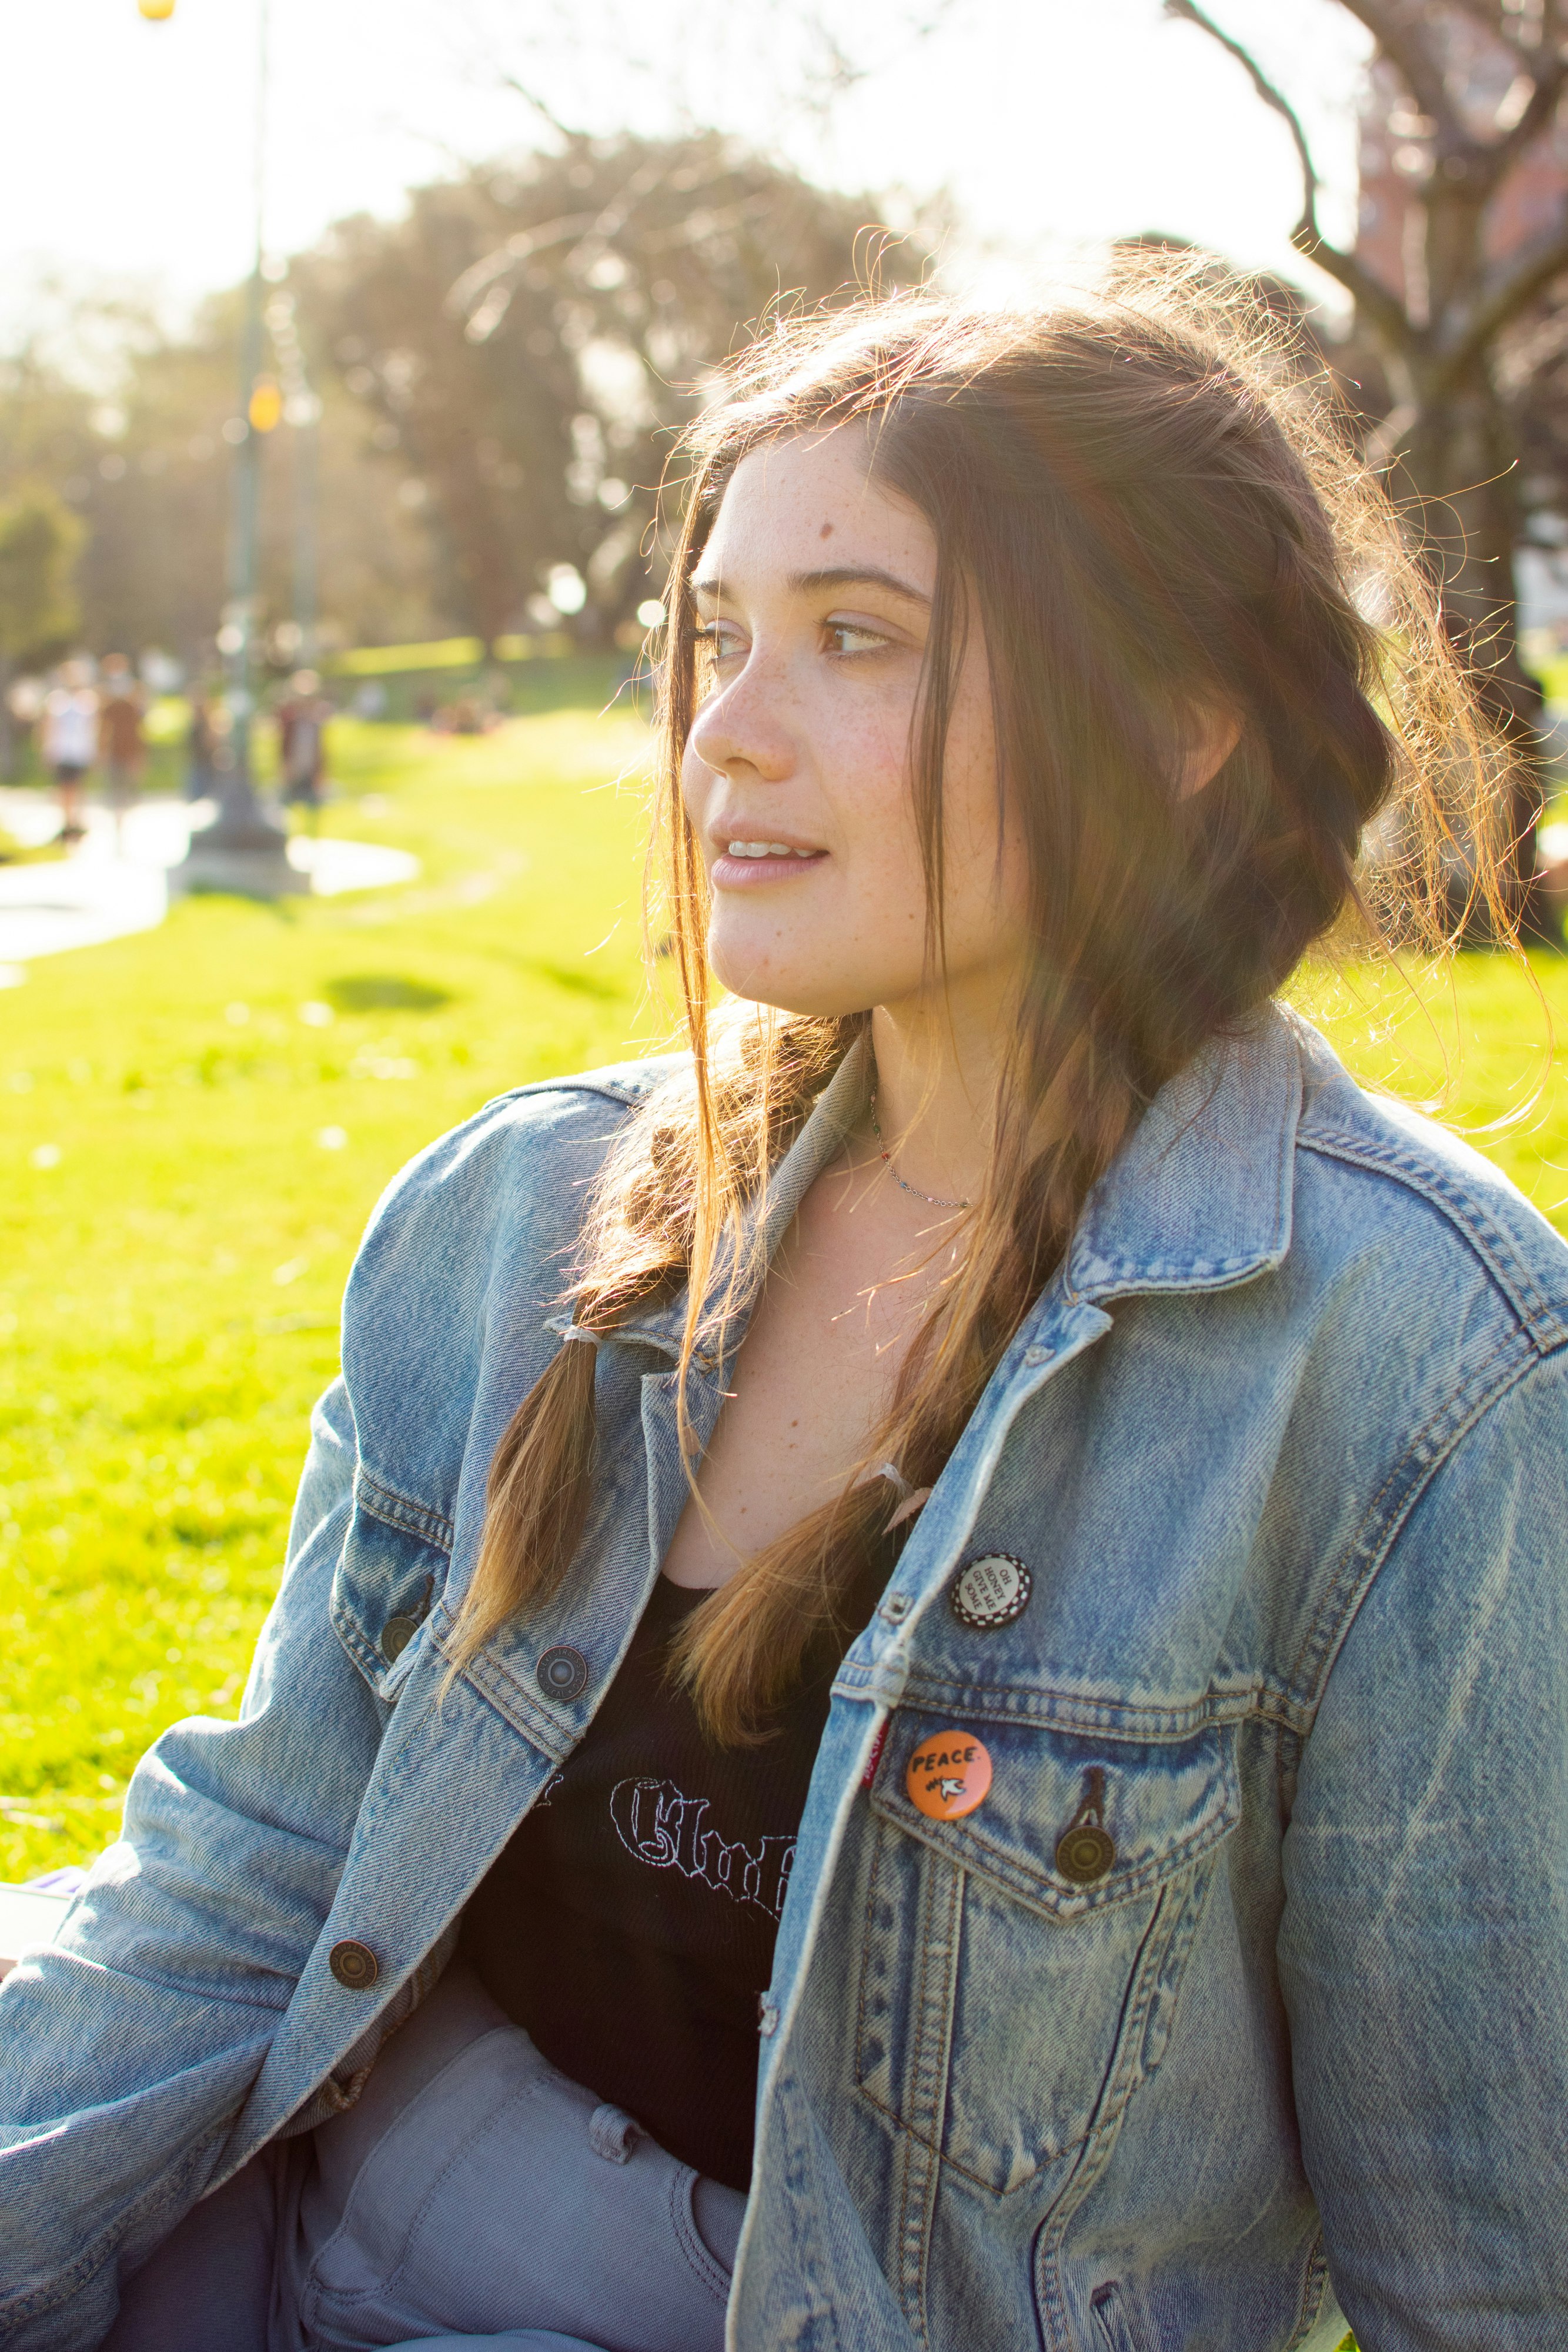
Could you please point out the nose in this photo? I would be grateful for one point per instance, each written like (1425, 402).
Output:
(745, 728)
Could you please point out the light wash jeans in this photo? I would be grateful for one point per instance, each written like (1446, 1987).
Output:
(474, 2196)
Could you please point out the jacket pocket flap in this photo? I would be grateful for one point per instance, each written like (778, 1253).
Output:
(1157, 1805)
(387, 1580)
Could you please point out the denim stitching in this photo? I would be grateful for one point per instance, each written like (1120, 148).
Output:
(1490, 1243)
(110, 2238)
(499, 1689)
(1096, 2150)
(1154, 1873)
(1425, 1455)
(1127, 1719)
(395, 1510)
(1314, 2279)
(709, 2270)
(906, 2132)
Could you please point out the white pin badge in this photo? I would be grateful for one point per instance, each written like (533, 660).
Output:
(991, 1591)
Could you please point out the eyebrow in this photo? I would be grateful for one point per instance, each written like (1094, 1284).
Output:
(841, 575)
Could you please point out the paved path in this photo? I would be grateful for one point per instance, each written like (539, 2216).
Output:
(28, 1919)
(99, 893)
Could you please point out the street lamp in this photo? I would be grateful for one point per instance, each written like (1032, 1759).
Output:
(243, 849)
(157, 12)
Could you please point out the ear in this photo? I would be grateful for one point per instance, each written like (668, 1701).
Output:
(1208, 738)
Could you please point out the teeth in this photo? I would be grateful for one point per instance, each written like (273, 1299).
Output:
(767, 849)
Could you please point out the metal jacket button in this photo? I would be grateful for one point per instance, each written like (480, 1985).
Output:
(1085, 1850)
(1085, 1853)
(396, 1635)
(563, 1673)
(354, 1965)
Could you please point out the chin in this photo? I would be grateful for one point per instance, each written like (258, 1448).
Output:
(791, 986)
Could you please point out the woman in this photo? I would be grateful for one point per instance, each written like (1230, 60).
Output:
(1000, 1469)
(70, 744)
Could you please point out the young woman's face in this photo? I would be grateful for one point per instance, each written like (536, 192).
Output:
(813, 597)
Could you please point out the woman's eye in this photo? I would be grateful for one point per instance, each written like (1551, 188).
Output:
(716, 642)
(849, 637)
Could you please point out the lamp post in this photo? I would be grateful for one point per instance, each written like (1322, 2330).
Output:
(243, 849)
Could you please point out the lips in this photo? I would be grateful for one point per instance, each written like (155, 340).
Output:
(749, 861)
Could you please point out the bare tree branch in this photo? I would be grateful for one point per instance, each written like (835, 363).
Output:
(1423, 76)
(1536, 119)
(1529, 273)
(1369, 292)
(541, 106)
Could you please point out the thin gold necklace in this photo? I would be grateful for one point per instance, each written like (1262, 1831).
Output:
(932, 1199)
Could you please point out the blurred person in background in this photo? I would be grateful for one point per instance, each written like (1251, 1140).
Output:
(302, 745)
(68, 742)
(920, 1697)
(208, 728)
(121, 746)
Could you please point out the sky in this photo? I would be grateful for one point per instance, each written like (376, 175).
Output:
(1053, 125)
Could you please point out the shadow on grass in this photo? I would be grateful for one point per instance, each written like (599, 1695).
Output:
(384, 991)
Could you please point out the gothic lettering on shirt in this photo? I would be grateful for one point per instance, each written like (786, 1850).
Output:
(663, 1827)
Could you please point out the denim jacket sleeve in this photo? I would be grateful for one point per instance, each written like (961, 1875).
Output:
(128, 2049)
(1424, 1948)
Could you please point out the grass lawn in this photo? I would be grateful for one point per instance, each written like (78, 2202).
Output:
(195, 1122)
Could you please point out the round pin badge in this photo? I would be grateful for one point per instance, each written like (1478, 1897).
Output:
(990, 1591)
(949, 1776)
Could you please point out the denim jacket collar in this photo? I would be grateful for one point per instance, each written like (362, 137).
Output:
(1200, 1198)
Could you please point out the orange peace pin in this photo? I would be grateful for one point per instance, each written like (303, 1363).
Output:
(949, 1776)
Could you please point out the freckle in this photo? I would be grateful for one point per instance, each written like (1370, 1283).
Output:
(826, 531)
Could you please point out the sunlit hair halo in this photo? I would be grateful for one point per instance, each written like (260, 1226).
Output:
(1150, 507)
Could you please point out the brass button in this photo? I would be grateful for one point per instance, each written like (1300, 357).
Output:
(1085, 1853)
(354, 1965)
(396, 1635)
(563, 1672)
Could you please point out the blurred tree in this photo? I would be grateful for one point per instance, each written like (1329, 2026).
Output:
(498, 373)
(528, 338)
(1472, 90)
(40, 538)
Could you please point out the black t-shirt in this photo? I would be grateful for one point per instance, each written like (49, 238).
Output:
(629, 1924)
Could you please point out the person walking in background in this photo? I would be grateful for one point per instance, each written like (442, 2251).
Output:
(201, 744)
(302, 744)
(121, 746)
(70, 744)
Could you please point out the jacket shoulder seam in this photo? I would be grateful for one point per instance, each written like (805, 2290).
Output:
(630, 1091)
(1455, 1202)
(1356, 1568)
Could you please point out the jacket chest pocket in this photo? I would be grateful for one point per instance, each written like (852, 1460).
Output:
(392, 1571)
(1019, 1962)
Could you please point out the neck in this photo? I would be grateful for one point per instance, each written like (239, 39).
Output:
(938, 1069)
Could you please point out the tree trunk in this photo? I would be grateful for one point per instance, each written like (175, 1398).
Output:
(1459, 462)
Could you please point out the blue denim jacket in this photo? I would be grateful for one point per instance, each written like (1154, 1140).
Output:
(1282, 1449)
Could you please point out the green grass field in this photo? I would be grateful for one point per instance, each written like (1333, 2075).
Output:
(195, 1123)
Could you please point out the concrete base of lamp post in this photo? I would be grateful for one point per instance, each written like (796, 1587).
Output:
(241, 851)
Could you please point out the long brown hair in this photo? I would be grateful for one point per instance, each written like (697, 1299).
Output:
(1148, 504)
